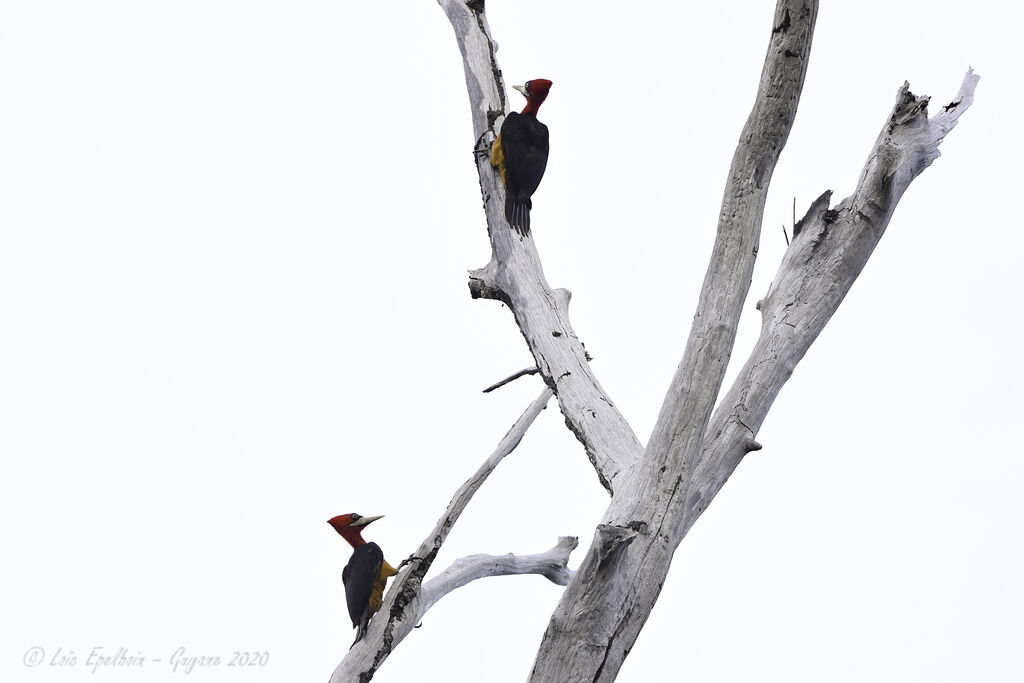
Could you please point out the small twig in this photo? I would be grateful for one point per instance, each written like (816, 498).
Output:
(784, 234)
(528, 371)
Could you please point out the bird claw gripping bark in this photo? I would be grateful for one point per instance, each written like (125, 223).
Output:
(409, 560)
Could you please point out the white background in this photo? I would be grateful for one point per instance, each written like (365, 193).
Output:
(234, 239)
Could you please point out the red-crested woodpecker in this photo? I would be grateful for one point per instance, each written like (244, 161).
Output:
(520, 154)
(366, 573)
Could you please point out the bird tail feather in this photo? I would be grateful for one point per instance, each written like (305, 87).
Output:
(518, 216)
(361, 629)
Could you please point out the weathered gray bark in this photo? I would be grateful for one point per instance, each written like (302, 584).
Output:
(552, 564)
(688, 460)
(409, 601)
(605, 607)
(658, 493)
(514, 274)
(817, 271)
(408, 598)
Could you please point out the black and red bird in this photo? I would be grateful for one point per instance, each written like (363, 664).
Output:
(366, 573)
(520, 153)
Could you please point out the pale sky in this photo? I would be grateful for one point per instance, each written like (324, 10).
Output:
(234, 239)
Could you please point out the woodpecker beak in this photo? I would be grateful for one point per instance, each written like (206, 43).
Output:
(522, 89)
(363, 521)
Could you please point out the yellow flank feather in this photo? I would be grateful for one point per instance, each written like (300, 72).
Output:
(498, 158)
(377, 594)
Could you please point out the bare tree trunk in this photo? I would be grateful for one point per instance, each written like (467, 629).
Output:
(658, 492)
(605, 607)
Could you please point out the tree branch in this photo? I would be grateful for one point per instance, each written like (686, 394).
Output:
(679, 432)
(691, 452)
(511, 378)
(552, 563)
(605, 606)
(402, 605)
(816, 273)
(515, 276)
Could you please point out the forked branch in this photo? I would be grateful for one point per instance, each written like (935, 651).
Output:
(604, 608)
(691, 452)
(404, 603)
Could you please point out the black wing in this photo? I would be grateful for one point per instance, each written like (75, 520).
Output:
(362, 570)
(524, 142)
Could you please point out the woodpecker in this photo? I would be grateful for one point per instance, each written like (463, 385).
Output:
(366, 573)
(520, 154)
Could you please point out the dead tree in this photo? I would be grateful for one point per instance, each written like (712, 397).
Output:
(657, 492)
